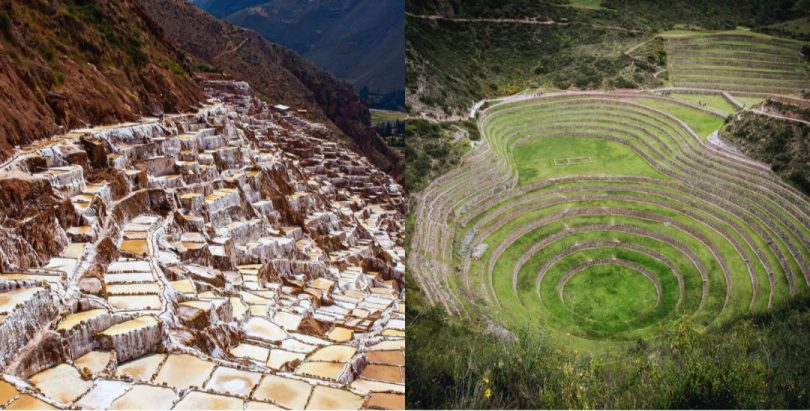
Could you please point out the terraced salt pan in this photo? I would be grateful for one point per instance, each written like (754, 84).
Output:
(62, 383)
(251, 351)
(328, 398)
(232, 381)
(132, 289)
(384, 373)
(74, 250)
(142, 368)
(196, 400)
(95, 361)
(145, 397)
(183, 371)
(256, 405)
(9, 300)
(341, 334)
(331, 371)
(103, 394)
(137, 247)
(386, 357)
(129, 266)
(334, 353)
(27, 402)
(128, 278)
(279, 358)
(7, 392)
(286, 392)
(135, 302)
(364, 386)
(292, 344)
(388, 345)
(279, 309)
(263, 329)
(385, 401)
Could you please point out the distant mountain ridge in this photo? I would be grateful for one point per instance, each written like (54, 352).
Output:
(275, 72)
(360, 41)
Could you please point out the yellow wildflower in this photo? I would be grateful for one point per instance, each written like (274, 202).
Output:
(488, 393)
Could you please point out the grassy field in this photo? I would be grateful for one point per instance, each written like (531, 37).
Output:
(749, 101)
(698, 121)
(609, 294)
(536, 159)
(383, 116)
(712, 101)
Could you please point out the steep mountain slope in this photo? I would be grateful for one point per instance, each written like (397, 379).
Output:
(360, 41)
(77, 62)
(277, 73)
(463, 50)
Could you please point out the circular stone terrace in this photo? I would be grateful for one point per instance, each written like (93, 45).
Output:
(608, 217)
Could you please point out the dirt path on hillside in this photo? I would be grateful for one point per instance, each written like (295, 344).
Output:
(526, 20)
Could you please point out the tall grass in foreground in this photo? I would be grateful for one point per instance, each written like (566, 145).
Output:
(755, 361)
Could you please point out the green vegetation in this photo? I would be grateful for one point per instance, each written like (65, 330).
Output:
(432, 149)
(711, 101)
(586, 4)
(174, 68)
(198, 67)
(784, 144)
(796, 28)
(598, 251)
(478, 60)
(620, 253)
(451, 63)
(753, 361)
(539, 160)
(609, 294)
(736, 60)
(749, 101)
(390, 125)
(700, 122)
(385, 116)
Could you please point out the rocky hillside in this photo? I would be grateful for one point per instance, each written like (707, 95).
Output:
(360, 41)
(277, 73)
(76, 63)
(72, 63)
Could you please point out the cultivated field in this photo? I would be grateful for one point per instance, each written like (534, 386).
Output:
(607, 217)
(737, 61)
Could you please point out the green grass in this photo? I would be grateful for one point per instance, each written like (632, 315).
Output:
(586, 4)
(609, 293)
(382, 116)
(700, 122)
(797, 28)
(535, 159)
(713, 101)
(749, 101)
